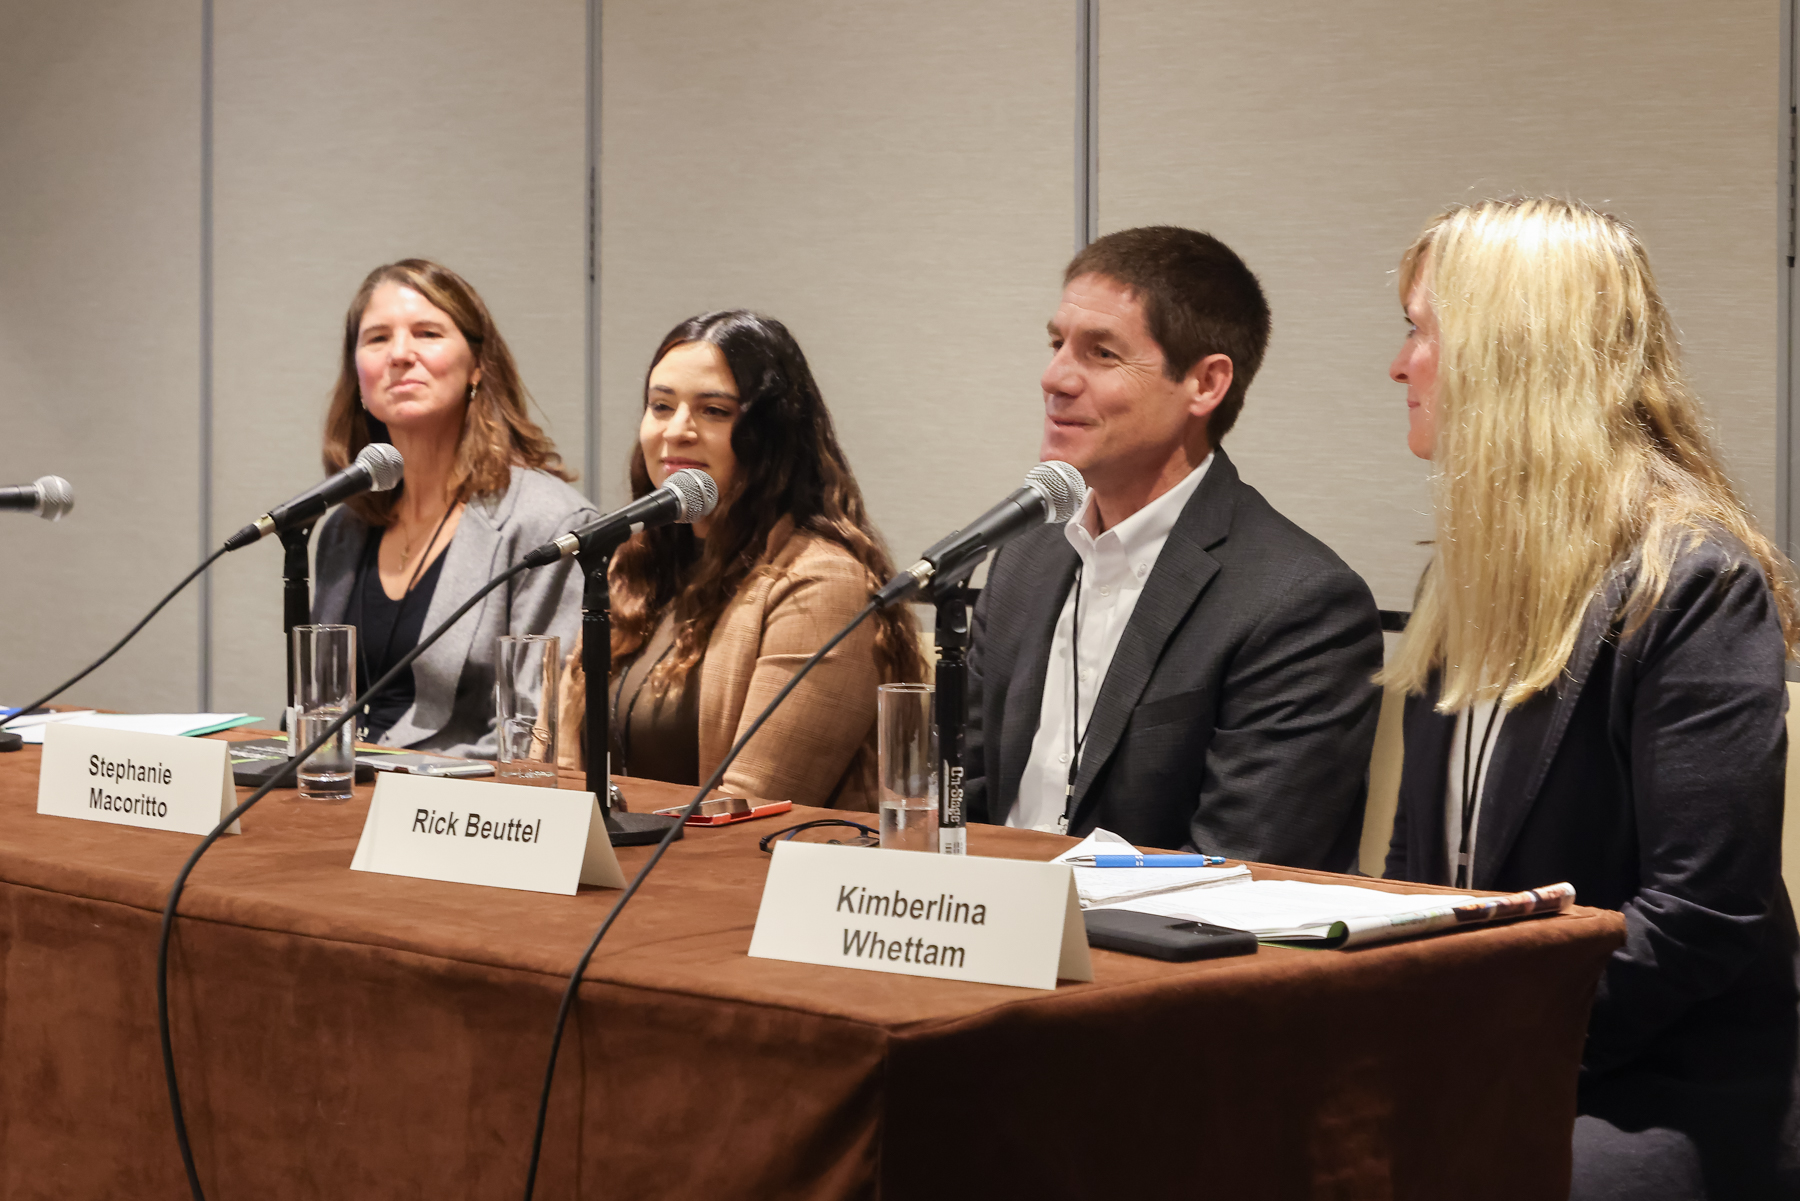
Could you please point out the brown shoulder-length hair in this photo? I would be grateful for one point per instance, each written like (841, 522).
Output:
(497, 430)
(789, 466)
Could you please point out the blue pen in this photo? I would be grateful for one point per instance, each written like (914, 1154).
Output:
(1148, 861)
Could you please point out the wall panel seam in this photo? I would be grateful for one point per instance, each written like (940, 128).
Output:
(206, 351)
(1087, 122)
(591, 427)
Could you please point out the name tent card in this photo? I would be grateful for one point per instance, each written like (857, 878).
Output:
(498, 835)
(993, 921)
(158, 781)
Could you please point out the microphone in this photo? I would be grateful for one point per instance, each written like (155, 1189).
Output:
(378, 468)
(50, 497)
(1052, 492)
(684, 496)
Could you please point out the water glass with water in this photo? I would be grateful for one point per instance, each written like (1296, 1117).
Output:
(907, 751)
(527, 675)
(324, 687)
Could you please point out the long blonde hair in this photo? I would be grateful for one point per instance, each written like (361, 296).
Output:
(1568, 446)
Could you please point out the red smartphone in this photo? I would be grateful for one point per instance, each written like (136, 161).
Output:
(725, 810)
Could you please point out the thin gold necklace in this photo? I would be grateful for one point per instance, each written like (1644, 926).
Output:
(406, 551)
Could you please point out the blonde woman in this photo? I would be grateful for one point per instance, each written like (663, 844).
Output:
(1595, 677)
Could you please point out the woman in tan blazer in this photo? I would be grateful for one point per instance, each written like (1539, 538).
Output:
(711, 620)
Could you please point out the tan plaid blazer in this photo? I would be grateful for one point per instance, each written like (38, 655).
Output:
(819, 747)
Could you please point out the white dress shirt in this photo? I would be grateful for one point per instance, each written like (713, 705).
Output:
(1476, 754)
(1115, 566)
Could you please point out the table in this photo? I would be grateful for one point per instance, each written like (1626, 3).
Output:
(348, 1035)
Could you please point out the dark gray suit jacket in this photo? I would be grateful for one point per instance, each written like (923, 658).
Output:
(1238, 714)
(1652, 776)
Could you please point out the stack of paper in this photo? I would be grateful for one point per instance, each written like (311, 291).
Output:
(31, 728)
(1340, 915)
(1100, 886)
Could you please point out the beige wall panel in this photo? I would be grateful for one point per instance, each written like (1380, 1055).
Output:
(1317, 138)
(351, 133)
(99, 342)
(894, 182)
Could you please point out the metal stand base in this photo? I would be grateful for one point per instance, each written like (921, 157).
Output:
(10, 741)
(640, 829)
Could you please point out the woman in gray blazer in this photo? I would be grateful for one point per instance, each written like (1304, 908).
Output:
(425, 369)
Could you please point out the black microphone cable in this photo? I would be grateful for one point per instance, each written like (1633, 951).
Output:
(168, 916)
(574, 985)
(117, 646)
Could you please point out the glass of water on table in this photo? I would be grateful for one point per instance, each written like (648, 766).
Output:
(324, 686)
(527, 675)
(907, 751)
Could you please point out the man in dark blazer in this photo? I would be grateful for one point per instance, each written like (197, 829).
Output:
(1180, 664)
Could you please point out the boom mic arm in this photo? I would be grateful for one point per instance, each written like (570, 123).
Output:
(1052, 492)
(377, 468)
(685, 496)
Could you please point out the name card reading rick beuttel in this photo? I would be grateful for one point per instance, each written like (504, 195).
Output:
(499, 835)
(127, 778)
(992, 921)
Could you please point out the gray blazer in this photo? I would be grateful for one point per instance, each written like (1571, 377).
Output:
(453, 709)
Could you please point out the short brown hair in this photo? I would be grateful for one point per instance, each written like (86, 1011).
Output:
(497, 431)
(1199, 299)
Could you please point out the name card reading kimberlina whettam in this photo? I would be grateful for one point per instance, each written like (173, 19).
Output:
(498, 835)
(993, 921)
(157, 781)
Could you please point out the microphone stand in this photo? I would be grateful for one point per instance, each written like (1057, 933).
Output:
(624, 829)
(951, 594)
(296, 602)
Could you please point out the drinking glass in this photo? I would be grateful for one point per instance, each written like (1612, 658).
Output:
(527, 673)
(906, 750)
(324, 686)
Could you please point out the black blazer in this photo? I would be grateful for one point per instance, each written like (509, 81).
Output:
(1238, 714)
(1651, 776)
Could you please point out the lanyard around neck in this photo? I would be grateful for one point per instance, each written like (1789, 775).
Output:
(1471, 789)
(1077, 732)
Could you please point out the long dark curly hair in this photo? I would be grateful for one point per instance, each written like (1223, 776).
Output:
(789, 465)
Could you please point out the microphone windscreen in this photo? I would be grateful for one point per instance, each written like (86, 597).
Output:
(57, 497)
(696, 491)
(386, 465)
(1060, 485)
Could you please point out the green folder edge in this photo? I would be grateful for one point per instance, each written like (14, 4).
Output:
(224, 725)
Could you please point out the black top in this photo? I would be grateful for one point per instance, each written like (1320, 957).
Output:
(386, 629)
(1237, 716)
(1651, 776)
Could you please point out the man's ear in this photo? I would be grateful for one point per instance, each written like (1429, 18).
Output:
(1206, 384)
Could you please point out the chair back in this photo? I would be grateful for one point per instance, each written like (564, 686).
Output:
(1384, 783)
(1790, 823)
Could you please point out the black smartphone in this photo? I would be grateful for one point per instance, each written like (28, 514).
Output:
(1171, 938)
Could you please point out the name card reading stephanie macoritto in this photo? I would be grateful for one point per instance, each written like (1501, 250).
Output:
(158, 781)
(994, 921)
(498, 835)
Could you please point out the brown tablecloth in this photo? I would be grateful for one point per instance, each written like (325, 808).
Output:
(348, 1035)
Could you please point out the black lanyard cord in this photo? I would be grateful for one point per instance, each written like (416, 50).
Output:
(1077, 732)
